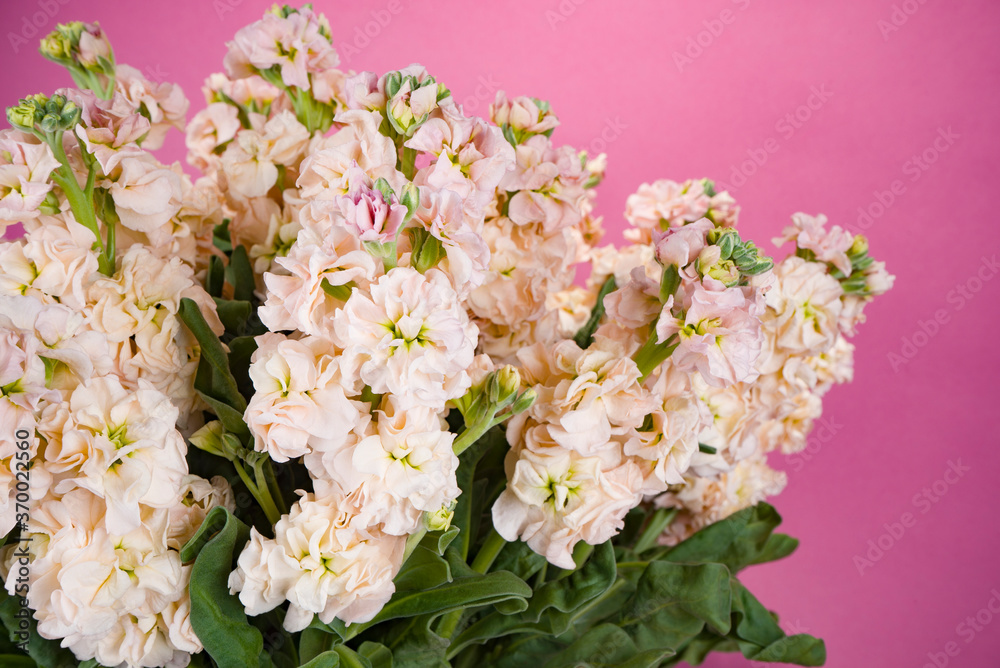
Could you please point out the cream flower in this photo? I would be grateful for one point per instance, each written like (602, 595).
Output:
(549, 183)
(25, 166)
(803, 308)
(319, 565)
(557, 497)
(121, 445)
(53, 264)
(411, 337)
(299, 401)
(146, 193)
(809, 233)
(326, 172)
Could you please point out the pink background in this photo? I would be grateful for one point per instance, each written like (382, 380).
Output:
(888, 91)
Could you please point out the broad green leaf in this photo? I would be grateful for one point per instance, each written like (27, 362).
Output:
(673, 602)
(606, 646)
(423, 570)
(737, 541)
(339, 657)
(778, 546)
(223, 386)
(233, 313)
(217, 617)
(465, 518)
(16, 661)
(314, 641)
(761, 639)
(216, 276)
(377, 654)
(240, 274)
(550, 610)
(44, 652)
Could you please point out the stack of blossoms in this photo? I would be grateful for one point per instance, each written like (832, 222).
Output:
(341, 400)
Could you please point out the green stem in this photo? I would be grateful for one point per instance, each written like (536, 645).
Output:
(82, 203)
(408, 162)
(488, 552)
(653, 354)
(261, 494)
(412, 541)
(475, 431)
(657, 523)
(271, 481)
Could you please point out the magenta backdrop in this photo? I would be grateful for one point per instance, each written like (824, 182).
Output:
(894, 109)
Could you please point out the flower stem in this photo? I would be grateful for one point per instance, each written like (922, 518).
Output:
(475, 431)
(408, 162)
(653, 354)
(488, 552)
(262, 495)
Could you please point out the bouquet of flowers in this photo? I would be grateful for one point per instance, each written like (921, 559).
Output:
(340, 400)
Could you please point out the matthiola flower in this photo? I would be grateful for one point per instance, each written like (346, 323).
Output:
(441, 212)
(319, 564)
(803, 308)
(209, 129)
(556, 497)
(146, 193)
(163, 103)
(410, 337)
(472, 156)
(327, 171)
(718, 333)
(809, 233)
(122, 445)
(680, 246)
(299, 401)
(365, 212)
(549, 184)
(525, 116)
(664, 204)
(52, 264)
(25, 166)
(298, 44)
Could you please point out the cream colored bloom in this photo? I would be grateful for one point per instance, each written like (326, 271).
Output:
(803, 308)
(299, 401)
(410, 337)
(320, 565)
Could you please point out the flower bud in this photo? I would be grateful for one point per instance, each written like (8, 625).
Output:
(214, 439)
(410, 198)
(440, 520)
(727, 239)
(23, 115)
(524, 401)
(503, 385)
(859, 247)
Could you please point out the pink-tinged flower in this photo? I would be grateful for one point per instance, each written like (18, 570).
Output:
(298, 43)
(680, 246)
(719, 334)
(411, 337)
(809, 233)
(364, 212)
(363, 92)
(251, 92)
(524, 115)
(549, 183)
(635, 304)
(210, 129)
(441, 212)
(146, 193)
(163, 103)
(357, 147)
(299, 400)
(472, 156)
(52, 264)
(25, 166)
(664, 204)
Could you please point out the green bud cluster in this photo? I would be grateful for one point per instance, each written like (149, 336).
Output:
(737, 259)
(861, 261)
(39, 114)
(62, 46)
(405, 124)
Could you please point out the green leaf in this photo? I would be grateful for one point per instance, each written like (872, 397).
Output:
(551, 609)
(761, 639)
(778, 546)
(426, 249)
(217, 617)
(339, 657)
(316, 640)
(223, 386)
(216, 276)
(233, 313)
(220, 235)
(377, 654)
(466, 474)
(240, 274)
(16, 661)
(585, 335)
(424, 569)
(43, 652)
(737, 541)
(466, 589)
(673, 603)
(606, 646)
